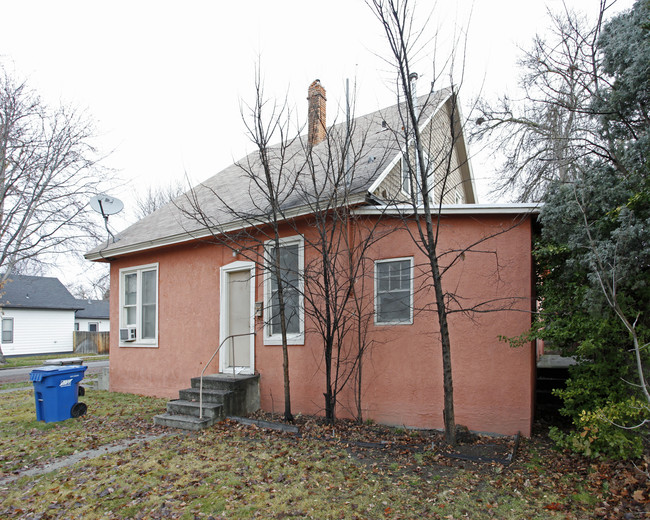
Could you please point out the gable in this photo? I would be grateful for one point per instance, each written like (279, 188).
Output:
(444, 152)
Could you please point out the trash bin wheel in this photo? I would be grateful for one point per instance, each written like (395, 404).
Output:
(81, 392)
(78, 409)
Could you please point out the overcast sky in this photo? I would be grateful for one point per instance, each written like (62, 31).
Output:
(164, 80)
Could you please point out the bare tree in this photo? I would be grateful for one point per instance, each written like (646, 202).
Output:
(318, 178)
(552, 126)
(431, 175)
(335, 308)
(48, 172)
(397, 19)
(258, 203)
(155, 197)
(96, 286)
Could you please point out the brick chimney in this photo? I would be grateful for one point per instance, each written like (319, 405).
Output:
(317, 120)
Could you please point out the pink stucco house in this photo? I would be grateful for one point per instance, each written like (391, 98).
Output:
(180, 287)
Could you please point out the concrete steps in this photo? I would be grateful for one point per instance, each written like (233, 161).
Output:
(184, 422)
(223, 395)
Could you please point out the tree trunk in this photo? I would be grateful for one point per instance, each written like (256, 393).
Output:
(445, 343)
(330, 400)
(288, 416)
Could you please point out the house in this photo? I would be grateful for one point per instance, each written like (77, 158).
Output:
(92, 316)
(183, 281)
(38, 316)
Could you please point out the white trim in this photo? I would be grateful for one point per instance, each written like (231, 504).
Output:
(139, 342)
(8, 319)
(465, 146)
(411, 295)
(295, 338)
(404, 165)
(454, 209)
(225, 270)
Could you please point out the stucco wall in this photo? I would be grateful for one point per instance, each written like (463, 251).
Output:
(402, 382)
(188, 321)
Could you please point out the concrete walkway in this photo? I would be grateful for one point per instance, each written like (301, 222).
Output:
(18, 389)
(77, 457)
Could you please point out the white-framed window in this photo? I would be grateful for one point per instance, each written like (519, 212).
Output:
(458, 198)
(93, 326)
(76, 326)
(394, 291)
(7, 330)
(139, 303)
(291, 265)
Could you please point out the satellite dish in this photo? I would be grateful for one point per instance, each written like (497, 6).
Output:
(106, 205)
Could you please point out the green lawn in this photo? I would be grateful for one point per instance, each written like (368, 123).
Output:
(232, 471)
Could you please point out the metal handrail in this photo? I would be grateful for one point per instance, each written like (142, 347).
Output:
(210, 361)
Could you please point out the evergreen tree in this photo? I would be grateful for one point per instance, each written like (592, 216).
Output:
(594, 256)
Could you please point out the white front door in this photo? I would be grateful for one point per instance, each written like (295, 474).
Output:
(237, 354)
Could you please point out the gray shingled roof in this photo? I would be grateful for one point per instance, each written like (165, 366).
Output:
(36, 292)
(93, 309)
(374, 145)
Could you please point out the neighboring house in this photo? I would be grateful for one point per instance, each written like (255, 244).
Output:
(92, 316)
(176, 292)
(38, 316)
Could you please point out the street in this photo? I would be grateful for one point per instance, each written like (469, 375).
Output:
(17, 375)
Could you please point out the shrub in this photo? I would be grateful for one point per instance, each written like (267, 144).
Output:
(611, 431)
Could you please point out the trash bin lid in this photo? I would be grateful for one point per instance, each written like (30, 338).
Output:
(38, 374)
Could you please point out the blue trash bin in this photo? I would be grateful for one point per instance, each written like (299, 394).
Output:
(56, 391)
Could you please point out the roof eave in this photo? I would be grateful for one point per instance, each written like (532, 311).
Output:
(180, 238)
(455, 209)
(37, 307)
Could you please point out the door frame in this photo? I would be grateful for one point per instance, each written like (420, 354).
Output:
(224, 307)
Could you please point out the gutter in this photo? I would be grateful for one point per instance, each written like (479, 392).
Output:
(453, 209)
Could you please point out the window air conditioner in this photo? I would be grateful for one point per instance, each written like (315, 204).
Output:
(128, 334)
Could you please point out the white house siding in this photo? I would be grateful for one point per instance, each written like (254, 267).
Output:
(39, 331)
(104, 325)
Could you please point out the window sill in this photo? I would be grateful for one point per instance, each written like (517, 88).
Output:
(134, 344)
(291, 340)
(392, 323)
